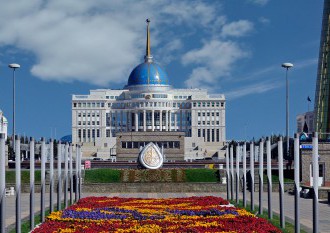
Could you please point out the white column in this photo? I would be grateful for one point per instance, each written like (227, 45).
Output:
(136, 121)
(166, 120)
(130, 120)
(153, 120)
(170, 121)
(121, 120)
(160, 120)
(181, 126)
(116, 122)
(175, 121)
(144, 120)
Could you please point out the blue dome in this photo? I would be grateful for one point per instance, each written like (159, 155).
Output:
(148, 73)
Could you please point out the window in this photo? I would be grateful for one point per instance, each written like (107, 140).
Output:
(203, 122)
(123, 144)
(212, 135)
(218, 123)
(79, 122)
(199, 114)
(79, 133)
(222, 104)
(208, 135)
(203, 113)
(212, 113)
(199, 132)
(218, 135)
(194, 104)
(74, 105)
(199, 123)
(98, 123)
(79, 105)
(217, 113)
(108, 133)
(79, 114)
(93, 133)
(208, 104)
(97, 133)
(208, 114)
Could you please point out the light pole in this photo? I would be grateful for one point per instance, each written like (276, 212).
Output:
(14, 66)
(287, 66)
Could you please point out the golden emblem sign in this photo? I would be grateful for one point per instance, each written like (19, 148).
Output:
(151, 157)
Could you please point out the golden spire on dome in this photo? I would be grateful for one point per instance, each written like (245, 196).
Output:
(148, 56)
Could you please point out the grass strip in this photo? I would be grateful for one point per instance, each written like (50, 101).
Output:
(289, 227)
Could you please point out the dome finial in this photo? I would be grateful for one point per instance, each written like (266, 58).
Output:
(148, 56)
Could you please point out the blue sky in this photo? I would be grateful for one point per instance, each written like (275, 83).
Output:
(233, 47)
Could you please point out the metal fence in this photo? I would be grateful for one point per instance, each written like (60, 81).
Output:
(257, 153)
(65, 179)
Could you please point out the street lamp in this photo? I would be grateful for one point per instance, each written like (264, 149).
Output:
(14, 66)
(287, 66)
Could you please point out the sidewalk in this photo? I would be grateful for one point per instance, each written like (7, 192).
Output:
(306, 212)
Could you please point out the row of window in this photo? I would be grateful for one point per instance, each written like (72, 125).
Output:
(148, 104)
(208, 114)
(88, 133)
(148, 96)
(138, 145)
(208, 104)
(208, 123)
(93, 114)
(111, 97)
(88, 105)
(89, 123)
(209, 135)
(182, 97)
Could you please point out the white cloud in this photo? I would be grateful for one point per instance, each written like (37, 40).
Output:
(264, 20)
(168, 52)
(96, 41)
(214, 59)
(259, 2)
(237, 29)
(305, 63)
(253, 89)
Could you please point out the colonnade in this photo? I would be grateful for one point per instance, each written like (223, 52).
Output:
(148, 120)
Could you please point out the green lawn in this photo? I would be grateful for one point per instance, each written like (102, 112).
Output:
(25, 176)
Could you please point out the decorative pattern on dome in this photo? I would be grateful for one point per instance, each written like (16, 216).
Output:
(148, 74)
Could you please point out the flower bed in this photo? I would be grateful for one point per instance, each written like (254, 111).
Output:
(193, 214)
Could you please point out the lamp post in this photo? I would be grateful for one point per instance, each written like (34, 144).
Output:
(14, 66)
(287, 66)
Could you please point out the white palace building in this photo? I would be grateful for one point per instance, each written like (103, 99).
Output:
(184, 123)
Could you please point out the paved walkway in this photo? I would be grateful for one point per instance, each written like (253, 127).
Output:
(306, 212)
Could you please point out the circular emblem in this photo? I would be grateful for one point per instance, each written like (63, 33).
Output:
(147, 97)
(150, 157)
